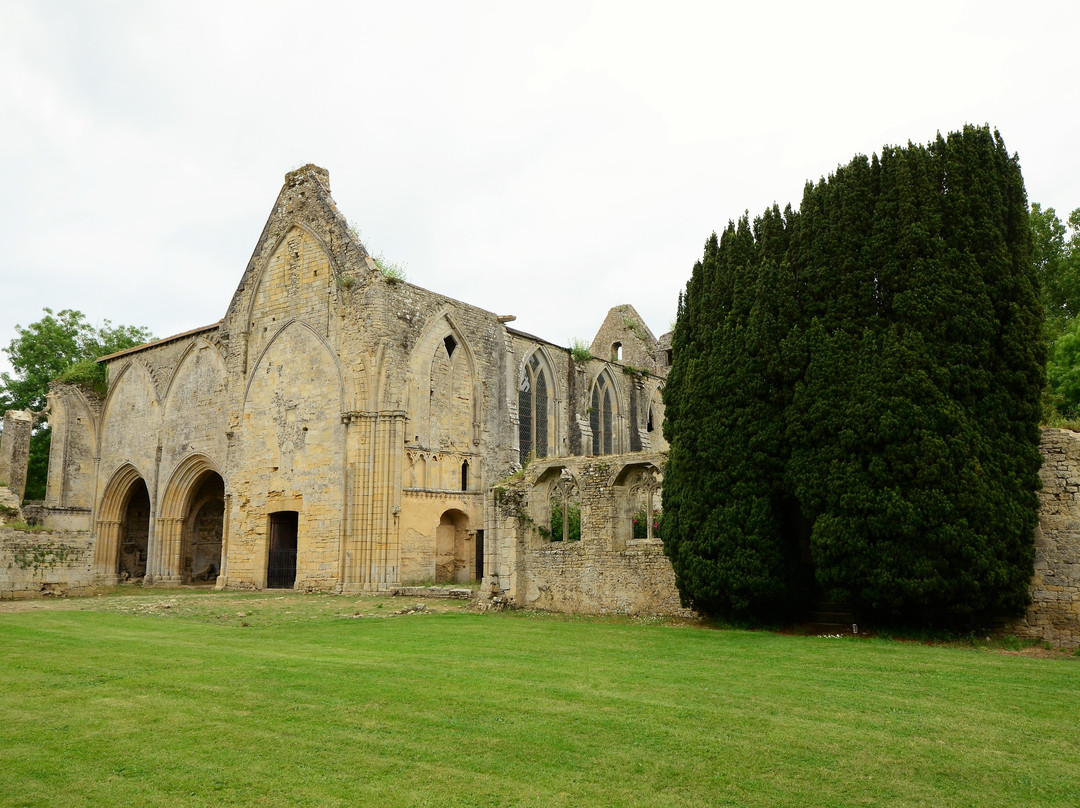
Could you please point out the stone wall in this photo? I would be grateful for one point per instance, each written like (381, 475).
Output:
(1054, 614)
(536, 562)
(15, 450)
(41, 563)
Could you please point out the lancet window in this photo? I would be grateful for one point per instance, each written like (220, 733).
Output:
(601, 416)
(533, 410)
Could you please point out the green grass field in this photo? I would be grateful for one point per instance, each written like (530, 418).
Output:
(178, 697)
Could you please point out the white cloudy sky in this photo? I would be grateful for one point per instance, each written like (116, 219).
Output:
(548, 160)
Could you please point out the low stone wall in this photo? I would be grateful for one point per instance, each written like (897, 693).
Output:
(583, 579)
(42, 563)
(71, 520)
(607, 570)
(1054, 614)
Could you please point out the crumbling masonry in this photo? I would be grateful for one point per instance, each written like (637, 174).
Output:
(339, 430)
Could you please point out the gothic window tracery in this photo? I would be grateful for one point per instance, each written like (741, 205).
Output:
(645, 495)
(565, 509)
(602, 416)
(533, 410)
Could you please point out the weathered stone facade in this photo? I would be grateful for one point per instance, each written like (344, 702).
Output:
(15, 451)
(1054, 614)
(336, 431)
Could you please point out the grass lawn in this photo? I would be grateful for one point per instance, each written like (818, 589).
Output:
(180, 697)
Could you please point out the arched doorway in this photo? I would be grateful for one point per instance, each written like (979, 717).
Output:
(192, 524)
(123, 529)
(455, 556)
(134, 534)
(200, 561)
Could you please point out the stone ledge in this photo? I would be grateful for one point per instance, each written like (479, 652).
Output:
(433, 592)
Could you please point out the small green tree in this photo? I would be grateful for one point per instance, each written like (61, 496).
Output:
(61, 345)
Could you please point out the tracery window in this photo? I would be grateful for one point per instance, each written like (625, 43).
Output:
(565, 509)
(601, 417)
(645, 495)
(533, 410)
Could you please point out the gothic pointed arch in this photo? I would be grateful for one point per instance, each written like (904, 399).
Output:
(192, 518)
(122, 527)
(538, 395)
(73, 419)
(198, 379)
(297, 282)
(605, 414)
(638, 489)
(444, 401)
(295, 237)
(132, 372)
(654, 420)
(291, 447)
(130, 419)
(292, 340)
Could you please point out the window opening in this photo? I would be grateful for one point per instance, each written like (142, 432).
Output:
(646, 495)
(616, 352)
(607, 421)
(601, 417)
(465, 476)
(532, 411)
(450, 344)
(565, 506)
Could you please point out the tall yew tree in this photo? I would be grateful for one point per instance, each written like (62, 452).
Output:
(855, 395)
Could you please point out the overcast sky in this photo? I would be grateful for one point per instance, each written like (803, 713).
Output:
(548, 160)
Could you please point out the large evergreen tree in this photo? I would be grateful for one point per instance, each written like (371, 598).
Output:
(857, 386)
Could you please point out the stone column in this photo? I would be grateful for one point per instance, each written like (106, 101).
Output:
(15, 450)
(105, 549)
(167, 544)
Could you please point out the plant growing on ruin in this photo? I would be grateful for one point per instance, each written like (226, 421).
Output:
(640, 523)
(579, 350)
(573, 532)
(391, 270)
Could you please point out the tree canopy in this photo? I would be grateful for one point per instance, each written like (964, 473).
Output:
(854, 403)
(61, 345)
(1056, 256)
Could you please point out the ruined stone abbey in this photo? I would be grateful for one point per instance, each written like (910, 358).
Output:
(339, 430)
(342, 431)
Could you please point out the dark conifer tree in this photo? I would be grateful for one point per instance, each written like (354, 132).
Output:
(868, 374)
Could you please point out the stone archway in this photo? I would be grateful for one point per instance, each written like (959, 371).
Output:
(134, 535)
(455, 557)
(192, 524)
(200, 557)
(121, 551)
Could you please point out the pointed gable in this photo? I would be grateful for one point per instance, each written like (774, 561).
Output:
(625, 338)
(305, 259)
